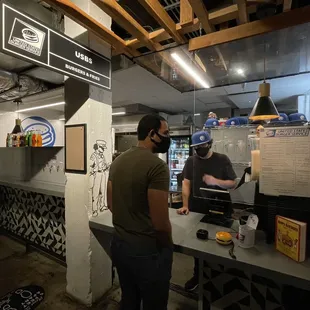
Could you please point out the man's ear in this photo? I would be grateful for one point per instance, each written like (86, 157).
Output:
(152, 133)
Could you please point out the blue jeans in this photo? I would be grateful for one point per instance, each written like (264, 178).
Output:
(144, 277)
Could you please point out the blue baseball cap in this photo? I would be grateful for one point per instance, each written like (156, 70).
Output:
(298, 117)
(233, 122)
(211, 122)
(283, 118)
(243, 120)
(200, 137)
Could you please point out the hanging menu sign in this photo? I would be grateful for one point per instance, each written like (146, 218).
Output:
(285, 161)
(26, 38)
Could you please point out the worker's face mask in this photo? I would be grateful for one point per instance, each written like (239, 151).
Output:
(162, 146)
(203, 151)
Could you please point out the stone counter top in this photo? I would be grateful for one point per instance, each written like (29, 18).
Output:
(37, 187)
(262, 256)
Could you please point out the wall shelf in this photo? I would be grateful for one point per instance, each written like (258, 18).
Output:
(22, 163)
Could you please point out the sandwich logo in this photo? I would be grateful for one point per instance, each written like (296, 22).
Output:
(42, 125)
(27, 37)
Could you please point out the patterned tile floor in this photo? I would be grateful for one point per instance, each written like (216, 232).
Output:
(18, 268)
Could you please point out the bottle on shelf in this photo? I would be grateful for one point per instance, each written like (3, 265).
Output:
(7, 140)
(39, 139)
(28, 138)
(22, 140)
(34, 139)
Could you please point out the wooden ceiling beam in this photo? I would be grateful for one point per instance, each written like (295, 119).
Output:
(71, 10)
(269, 24)
(217, 17)
(119, 15)
(261, 1)
(157, 11)
(186, 13)
(287, 5)
(243, 12)
(203, 15)
(126, 21)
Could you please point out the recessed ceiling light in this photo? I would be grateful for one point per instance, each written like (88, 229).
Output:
(62, 119)
(189, 70)
(240, 71)
(42, 107)
(196, 114)
(118, 113)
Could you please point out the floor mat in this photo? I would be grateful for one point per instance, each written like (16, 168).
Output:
(24, 298)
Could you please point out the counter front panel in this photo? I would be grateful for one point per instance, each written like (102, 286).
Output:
(36, 218)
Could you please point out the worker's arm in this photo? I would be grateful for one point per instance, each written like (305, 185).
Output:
(109, 195)
(226, 184)
(229, 177)
(158, 204)
(186, 189)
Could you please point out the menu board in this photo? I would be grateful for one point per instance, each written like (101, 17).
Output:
(285, 161)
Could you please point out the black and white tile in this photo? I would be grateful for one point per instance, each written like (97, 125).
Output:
(234, 289)
(35, 217)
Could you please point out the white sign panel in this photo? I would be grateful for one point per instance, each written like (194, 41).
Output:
(285, 161)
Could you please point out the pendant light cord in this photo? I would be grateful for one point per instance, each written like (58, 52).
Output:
(18, 103)
(264, 61)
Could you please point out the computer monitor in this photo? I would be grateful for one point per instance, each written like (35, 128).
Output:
(218, 207)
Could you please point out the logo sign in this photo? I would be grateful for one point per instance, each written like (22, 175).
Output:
(26, 38)
(40, 124)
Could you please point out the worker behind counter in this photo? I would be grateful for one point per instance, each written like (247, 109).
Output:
(205, 169)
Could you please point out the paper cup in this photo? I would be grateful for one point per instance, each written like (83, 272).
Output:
(246, 236)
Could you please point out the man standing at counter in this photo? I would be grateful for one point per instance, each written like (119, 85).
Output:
(205, 169)
(138, 199)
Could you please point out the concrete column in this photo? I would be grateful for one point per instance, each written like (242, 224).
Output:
(88, 265)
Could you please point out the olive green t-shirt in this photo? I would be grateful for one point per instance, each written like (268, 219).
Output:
(132, 174)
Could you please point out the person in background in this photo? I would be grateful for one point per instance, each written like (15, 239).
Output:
(138, 199)
(205, 169)
(212, 115)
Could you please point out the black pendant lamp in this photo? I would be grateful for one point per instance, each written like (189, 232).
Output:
(18, 122)
(264, 108)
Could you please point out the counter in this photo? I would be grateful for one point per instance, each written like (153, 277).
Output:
(261, 267)
(34, 212)
(56, 190)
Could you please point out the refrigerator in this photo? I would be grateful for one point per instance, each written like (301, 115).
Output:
(178, 153)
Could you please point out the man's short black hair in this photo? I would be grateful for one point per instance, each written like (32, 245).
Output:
(147, 123)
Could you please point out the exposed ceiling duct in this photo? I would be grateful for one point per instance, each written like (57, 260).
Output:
(14, 86)
(8, 81)
(133, 109)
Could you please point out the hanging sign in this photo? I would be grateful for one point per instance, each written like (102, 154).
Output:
(26, 38)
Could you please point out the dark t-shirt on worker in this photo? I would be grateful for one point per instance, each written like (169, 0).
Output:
(132, 174)
(218, 165)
